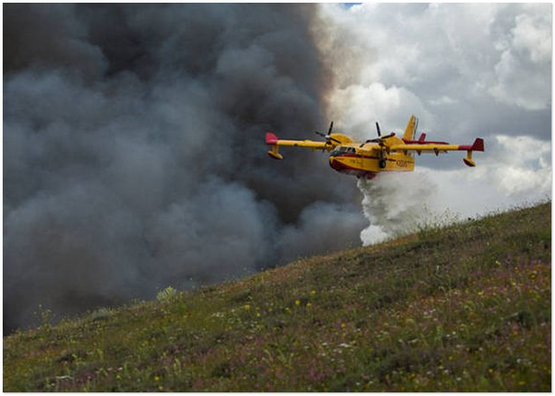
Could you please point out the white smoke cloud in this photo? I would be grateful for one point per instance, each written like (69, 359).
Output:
(394, 204)
(323, 227)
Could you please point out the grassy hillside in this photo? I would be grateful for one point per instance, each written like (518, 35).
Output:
(465, 308)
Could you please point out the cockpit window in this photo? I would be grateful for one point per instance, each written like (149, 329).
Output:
(343, 150)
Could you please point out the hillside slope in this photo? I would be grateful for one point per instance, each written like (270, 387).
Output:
(465, 308)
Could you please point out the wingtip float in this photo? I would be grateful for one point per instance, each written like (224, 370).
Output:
(387, 153)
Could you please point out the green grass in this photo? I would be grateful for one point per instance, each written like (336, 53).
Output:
(464, 308)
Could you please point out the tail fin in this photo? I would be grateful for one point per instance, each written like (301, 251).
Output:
(271, 139)
(410, 130)
(478, 145)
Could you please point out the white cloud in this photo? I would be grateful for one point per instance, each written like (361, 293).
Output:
(522, 167)
(467, 70)
(532, 34)
(358, 107)
(521, 71)
(517, 171)
(475, 54)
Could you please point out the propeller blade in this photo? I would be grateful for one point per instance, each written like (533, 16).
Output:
(327, 137)
(378, 129)
(379, 140)
(368, 141)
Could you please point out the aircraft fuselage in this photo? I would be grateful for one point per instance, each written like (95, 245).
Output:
(368, 163)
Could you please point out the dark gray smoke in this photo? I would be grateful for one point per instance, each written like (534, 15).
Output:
(134, 155)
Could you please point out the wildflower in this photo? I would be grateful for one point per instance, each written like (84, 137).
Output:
(247, 307)
(313, 292)
(297, 302)
(308, 304)
(156, 378)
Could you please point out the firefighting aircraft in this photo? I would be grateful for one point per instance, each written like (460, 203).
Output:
(383, 154)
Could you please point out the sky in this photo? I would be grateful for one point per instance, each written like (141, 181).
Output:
(133, 135)
(467, 71)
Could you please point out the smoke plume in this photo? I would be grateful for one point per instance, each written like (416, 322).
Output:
(395, 204)
(134, 155)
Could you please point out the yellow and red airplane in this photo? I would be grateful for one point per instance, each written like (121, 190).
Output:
(383, 154)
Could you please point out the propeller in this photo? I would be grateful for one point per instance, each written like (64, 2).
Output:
(328, 136)
(380, 138)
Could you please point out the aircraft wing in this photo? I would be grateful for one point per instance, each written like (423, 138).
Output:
(272, 140)
(478, 145)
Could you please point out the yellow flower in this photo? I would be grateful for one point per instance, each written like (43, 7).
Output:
(247, 307)
(313, 293)
(308, 304)
(156, 378)
(297, 302)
